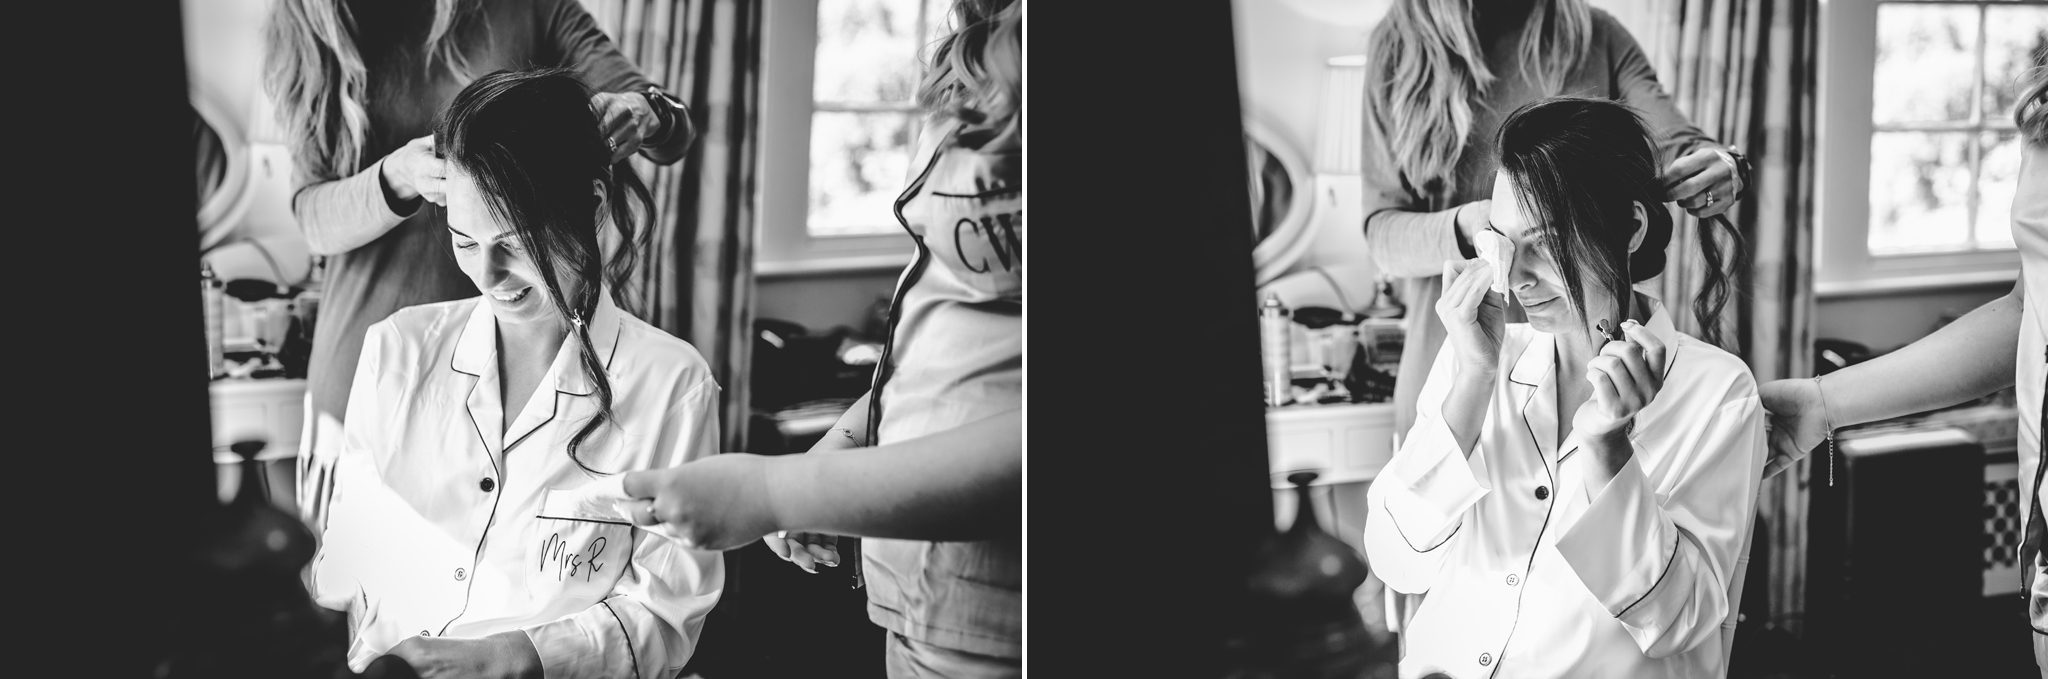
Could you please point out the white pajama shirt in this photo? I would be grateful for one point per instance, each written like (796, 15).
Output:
(1526, 571)
(447, 523)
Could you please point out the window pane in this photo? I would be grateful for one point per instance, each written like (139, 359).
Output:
(859, 163)
(2015, 39)
(1926, 63)
(1995, 189)
(938, 21)
(867, 52)
(1919, 191)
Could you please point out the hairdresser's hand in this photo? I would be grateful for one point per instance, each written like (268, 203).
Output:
(1702, 182)
(1626, 376)
(719, 502)
(1796, 421)
(1472, 315)
(1473, 218)
(806, 550)
(626, 120)
(505, 654)
(413, 172)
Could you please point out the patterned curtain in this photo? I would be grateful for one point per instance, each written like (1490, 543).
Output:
(696, 276)
(1743, 71)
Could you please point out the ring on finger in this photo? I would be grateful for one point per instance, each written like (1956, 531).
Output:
(1711, 198)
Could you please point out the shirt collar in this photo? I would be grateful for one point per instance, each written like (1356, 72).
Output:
(1661, 327)
(477, 347)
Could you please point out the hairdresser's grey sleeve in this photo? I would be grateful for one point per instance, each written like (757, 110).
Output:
(339, 215)
(579, 44)
(1636, 83)
(1404, 240)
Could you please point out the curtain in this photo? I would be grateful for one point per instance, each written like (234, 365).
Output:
(695, 279)
(1744, 71)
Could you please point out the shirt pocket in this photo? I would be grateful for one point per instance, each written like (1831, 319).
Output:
(576, 550)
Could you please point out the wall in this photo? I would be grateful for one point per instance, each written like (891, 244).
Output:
(1282, 46)
(1885, 322)
(822, 301)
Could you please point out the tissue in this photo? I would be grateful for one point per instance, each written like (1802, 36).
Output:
(1498, 252)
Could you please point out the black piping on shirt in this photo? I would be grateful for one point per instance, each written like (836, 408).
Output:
(628, 634)
(1404, 534)
(1660, 579)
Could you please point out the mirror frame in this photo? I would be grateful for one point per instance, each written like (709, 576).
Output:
(1284, 245)
(220, 212)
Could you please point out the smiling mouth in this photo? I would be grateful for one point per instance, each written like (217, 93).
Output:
(512, 298)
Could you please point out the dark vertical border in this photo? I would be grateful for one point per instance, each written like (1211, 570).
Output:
(1146, 461)
(105, 336)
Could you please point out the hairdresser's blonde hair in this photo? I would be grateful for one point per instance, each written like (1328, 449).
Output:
(977, 70)
(1427, 69)
(315, 73)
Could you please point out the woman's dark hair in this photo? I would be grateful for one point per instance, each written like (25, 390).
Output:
(532, 141)
(1579, 167)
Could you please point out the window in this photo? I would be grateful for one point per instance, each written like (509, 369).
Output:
(839, 125)
(1918, 152)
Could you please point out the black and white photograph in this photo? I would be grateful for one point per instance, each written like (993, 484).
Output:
(504, 351)
(1417, 339)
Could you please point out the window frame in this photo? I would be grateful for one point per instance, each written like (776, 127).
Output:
(785, 246)
(1845, 266)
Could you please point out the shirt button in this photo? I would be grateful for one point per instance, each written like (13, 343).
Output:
(487, 484)
(460, 574)
(1542, 492)
(1485, 659)
(1514, 579)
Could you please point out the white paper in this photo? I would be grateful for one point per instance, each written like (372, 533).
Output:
(598, 500)
(1496, 251)
(606, 500)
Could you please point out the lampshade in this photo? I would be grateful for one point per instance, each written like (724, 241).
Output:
(1342, 120)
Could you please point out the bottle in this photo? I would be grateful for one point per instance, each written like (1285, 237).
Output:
(1381, 333)
(1273, 340)
(214, 293)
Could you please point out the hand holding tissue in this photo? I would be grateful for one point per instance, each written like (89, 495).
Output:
(1498, 252)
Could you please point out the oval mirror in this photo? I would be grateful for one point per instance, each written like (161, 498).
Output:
(1280, 196)
(222, 173)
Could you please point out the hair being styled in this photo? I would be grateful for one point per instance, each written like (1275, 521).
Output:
(315, 72)
(2031, 113)
(977, 72)
(532, 141)
(1579, 167)
(1427, 69)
